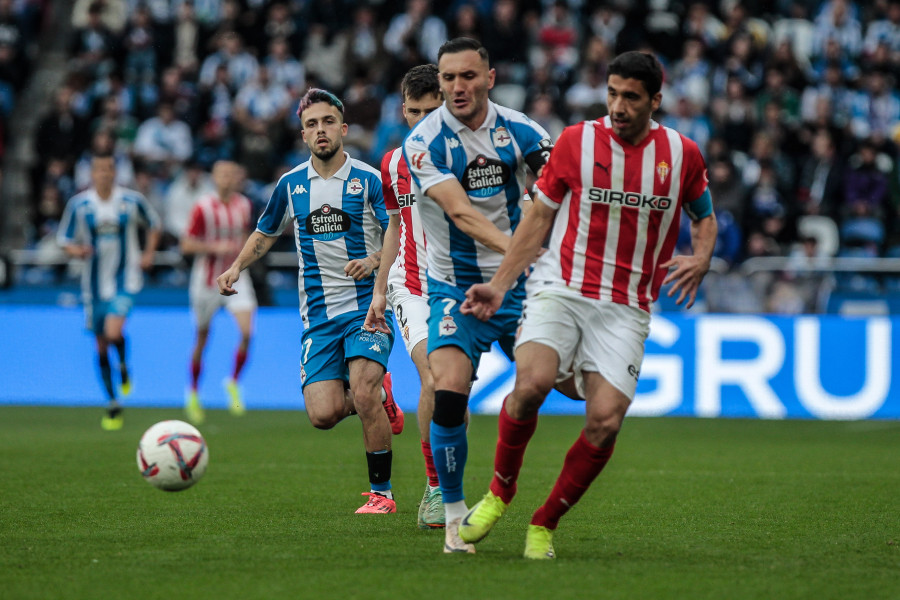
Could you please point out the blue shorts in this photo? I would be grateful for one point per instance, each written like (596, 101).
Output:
(96, 311)
(326, 348)
(447, 326)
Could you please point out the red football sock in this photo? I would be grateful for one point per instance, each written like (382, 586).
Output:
(430, 471)
(512, 441)
(196, 367)
(240, 357)
(583, 463)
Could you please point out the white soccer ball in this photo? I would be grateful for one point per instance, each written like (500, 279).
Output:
(172, 455)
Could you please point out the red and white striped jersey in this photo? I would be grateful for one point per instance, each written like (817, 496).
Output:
(619, 209)
(212, 220)
(400, 198)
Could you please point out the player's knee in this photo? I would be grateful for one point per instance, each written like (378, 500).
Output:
(603, 428)
(323, 420)
(532, 388)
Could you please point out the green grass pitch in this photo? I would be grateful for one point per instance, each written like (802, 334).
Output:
(688, 508)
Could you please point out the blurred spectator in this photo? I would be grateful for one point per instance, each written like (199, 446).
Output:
(139, 44)
(691, 73)
(103, 142)
(767, 210)
(776, 91)
(885, 31)
(741, 63)
(783, 60)
(876, 109)
(701, 24)
(365, 50)
(466, 22)
(187, 35)
(866, 189)
(362, 109)
(687, 120)
(182, 94)
(260, 109)
(94, 45)
(113, 13)
(541, 112)
(764, 152)
(726, 188)
(190, 184)
(505, 39)
(834, 55)
(821, 178)
(60, 134)
(830, 87)
(836, 22)
(14, 58)
(415, 32)
(586, 99)
(280, 24)
(605, 23)
(283, 68)
(163, 142)
(558, 35)
(663, 26)
(240, 64)
(734, 116)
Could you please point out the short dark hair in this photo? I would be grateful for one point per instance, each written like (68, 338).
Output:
(461, 44)
(638, 65)
(420, 81)
(315, 95)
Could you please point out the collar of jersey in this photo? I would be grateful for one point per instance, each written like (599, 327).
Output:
(343, 173)
(456, 125)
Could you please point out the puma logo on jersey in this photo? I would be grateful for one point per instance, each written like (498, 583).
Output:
(299, 189)
(604, 167)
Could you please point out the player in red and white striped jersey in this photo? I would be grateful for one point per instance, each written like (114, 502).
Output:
(611, 198)
(217, 228)
(401, 278)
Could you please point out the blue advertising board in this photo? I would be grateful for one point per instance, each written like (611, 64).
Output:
(810, 367)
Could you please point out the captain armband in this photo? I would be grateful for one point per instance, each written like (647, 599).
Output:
(699, 208)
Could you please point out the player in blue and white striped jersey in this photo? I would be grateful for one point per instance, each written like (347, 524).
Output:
(100, 225)
(337, 209)
(468, 157)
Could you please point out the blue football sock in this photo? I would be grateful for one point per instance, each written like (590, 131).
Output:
(450, 447)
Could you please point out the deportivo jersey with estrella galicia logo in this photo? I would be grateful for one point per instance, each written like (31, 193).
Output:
(619, 206)
(110, 227)
(490, 164)
(336, 220)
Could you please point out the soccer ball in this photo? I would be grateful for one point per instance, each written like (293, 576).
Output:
(172, 455)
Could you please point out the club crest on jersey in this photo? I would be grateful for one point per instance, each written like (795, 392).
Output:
(327, 223)
(354, 186)
(501, 137)
(485, 177)
(662, 169)
(447, 326)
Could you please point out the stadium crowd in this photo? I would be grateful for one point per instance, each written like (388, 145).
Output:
(792, 102)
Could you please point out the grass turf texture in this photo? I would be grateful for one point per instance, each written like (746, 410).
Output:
(688, 508)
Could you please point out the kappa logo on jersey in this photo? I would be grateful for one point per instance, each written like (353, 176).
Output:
(632, 199)
(406, 200)
(662, 169)
(299, 189)
(417, 138)
(375, 348)
(417, 158)
(327, 223)
(501, 137)
(354, 186)
(453, 143)
(484, 177)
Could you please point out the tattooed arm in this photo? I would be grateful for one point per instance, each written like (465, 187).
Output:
(256, 247)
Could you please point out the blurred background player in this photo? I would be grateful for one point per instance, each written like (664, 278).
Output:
(401, 278)
(468, 157)
(338, 209)
(100, 225)
(619, 186)
(217, 228)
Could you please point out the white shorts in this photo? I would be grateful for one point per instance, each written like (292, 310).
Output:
(588, 335)
(206, 301)
(412, 313)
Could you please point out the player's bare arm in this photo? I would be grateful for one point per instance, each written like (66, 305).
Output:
(153, 237)
(193, 245)
(375, 320)
(258, 244)
(484, 299)
(689, 270)
(78, 250)
(453, 200)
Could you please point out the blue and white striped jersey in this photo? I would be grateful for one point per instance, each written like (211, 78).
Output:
(110, 227)
(335, 221)
(490, 164)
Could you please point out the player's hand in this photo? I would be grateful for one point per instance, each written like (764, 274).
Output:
(687, 274)
(359, 268)
(482, 301)
(375, 319)
(147, 261)
(226, 280)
